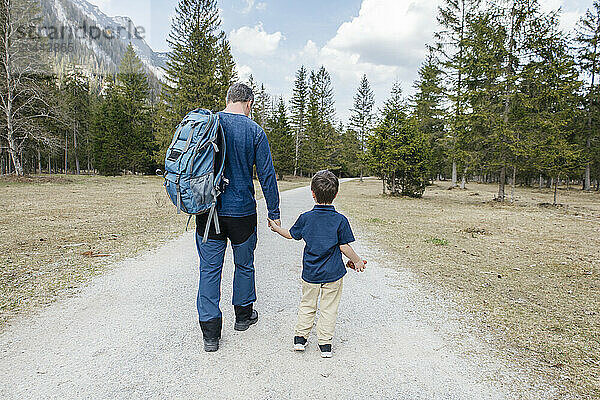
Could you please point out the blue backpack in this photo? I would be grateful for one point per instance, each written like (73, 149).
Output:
(194, 166)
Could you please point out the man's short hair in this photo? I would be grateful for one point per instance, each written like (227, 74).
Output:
(325, 185)
(238, 92)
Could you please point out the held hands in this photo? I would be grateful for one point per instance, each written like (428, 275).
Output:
(358, 267)
(274, 224)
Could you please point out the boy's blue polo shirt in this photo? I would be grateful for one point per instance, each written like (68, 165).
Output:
(323, 230)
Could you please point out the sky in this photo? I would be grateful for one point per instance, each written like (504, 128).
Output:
(271, 39)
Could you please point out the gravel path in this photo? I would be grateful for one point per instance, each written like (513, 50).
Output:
(133, 333)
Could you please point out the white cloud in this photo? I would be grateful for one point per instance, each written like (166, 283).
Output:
(310, 50)
(569, 16)
(387, 41)
(388, 32)
(255, 41)
(244, 72)
(250, 5)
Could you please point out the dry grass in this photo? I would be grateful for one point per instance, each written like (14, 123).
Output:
(529, 274)
(58, 232)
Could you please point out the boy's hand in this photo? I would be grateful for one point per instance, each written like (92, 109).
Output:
(360, 267)
(273, 225)
(276, 227)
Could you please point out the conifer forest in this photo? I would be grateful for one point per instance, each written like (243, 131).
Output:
(503, 96)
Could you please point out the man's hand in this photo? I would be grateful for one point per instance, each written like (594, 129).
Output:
(274, 224)
(276, 227)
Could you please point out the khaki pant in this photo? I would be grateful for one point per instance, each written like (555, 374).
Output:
(330, 300)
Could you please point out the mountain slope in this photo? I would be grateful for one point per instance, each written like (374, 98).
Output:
(80, 33)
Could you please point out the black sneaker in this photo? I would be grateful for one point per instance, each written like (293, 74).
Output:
(325, 350)
(299, 343)
(245, 324)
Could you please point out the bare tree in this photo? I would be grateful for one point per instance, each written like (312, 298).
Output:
(23, 104)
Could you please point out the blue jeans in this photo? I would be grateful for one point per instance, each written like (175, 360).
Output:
(212, 255)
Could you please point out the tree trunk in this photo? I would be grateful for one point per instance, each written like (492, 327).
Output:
(39, 160)
(361, 173)
(297, 151)
(14, 156)
(8, 107)
(49, 165)
(454, 174)
(512, 185)
(541, 181)
(66, 152)
(501, 183)
(587, 178)
(383, 181)
(75, 150)
(463, 181)
(556, 191)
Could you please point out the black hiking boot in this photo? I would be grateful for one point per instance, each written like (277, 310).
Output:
(211, 332)
(244, 317)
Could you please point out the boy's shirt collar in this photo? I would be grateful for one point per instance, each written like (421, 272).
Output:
(324, 207)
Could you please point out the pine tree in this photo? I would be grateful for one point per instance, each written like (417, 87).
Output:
(281, 140)
(517, 19)
(122, 126)
(549, 84)
(398, 151)
(349, 152)
(75, 92)
(453, 17)
(261, 110)
(196, 41)
(252, 84)
(319, 149)
(298, 113)
(134, 87)
(200, 67)
(226, 73)
(362, 115)
(429, 112)
(482, 142)
(323, 92)
(588, 41)
(108, 127)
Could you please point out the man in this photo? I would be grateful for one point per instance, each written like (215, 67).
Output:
(247, 146)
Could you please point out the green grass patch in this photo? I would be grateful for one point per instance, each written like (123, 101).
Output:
(437, 241)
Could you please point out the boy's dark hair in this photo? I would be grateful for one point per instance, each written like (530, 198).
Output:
(239, 92)
(325, 185)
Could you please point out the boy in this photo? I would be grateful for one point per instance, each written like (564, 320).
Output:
(326, 234)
